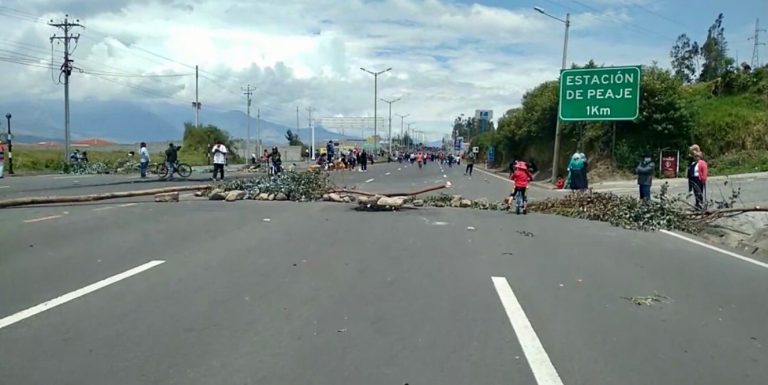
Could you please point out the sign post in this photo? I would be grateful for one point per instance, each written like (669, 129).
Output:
(600, 94)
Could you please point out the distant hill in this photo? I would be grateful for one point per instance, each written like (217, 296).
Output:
(132, 122)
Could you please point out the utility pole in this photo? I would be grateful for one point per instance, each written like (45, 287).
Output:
(248, 91)
(312, 128)
(66, 68)
(258, 128)
(390, 120)
(196, 104)
(756, 45)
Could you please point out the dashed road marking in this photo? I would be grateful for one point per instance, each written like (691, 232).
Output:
(389, 173)
(370, 180)
(104, 208)
(42, 219)
(127, 204)
(541, 366)
(4, 186)
(47, 305)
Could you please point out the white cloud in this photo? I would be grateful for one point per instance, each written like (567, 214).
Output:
(448, 57)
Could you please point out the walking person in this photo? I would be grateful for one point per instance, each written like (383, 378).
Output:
(171, 157)
(698, 171)
(470, 163)
(219, 152)
(143, 159)
(2, 159)
(644, 172)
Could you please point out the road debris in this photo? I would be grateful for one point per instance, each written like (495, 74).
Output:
(471, 228)
(648, 300)
(95, 197)
(525, 233)
(167, 197)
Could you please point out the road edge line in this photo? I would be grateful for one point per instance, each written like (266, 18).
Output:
(543, 370)
(50, 304)
(715, 248)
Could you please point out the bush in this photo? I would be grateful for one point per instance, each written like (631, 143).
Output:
(740, 162)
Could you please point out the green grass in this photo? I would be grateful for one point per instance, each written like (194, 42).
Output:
(36, 160)
(739, 163)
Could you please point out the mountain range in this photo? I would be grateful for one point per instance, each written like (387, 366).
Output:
(132, 122)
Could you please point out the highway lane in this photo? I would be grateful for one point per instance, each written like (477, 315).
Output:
(322, 294)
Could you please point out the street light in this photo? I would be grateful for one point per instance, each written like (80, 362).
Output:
(402, 117)
(375, 105)
(567, 23)
(390, 120)
(10, 145)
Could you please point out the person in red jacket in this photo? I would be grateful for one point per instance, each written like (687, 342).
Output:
(697, 178)
(522, 176)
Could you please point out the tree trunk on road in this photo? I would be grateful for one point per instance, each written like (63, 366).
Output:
(94, 197)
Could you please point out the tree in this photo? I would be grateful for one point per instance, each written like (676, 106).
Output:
(293, 139)
(685, 56)
(714, 51)
(198, 142)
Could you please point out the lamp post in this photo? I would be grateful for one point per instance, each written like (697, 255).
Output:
(390, 120)
(402, 117)
(10, 145)
(567, 22)
(376, 105)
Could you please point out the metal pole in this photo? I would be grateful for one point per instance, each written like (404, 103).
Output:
(197, 100)
(258, 128)
(10, 145)
(66, 88)
(312, 128)
(555, 157)
(375, 112)
(390, 128)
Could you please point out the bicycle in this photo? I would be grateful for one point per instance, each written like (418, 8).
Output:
(520, 203)
(184, 170)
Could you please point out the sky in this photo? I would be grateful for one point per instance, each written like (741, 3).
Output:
(447, 57)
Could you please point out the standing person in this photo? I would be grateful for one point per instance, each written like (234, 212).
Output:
(420, 159)
(470, 163)
(644, 173)
(219, 152)
(698, 172)
(330, 150)
(143, 159)
(2, 159)
(363, 161)
(171, 156)
(577, 172)
(277, 161)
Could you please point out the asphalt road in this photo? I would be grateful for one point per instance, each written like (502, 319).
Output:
(317, 293)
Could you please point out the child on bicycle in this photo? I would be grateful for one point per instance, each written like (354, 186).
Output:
(522, 176)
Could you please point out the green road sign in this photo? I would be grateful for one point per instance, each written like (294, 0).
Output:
(608, 93)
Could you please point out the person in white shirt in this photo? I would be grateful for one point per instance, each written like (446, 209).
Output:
(219, 159)
(143, 159)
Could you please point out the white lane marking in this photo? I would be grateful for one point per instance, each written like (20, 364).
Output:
(4, 186)
(399, 169)
(389, 173)
(537, 357)
(73, 176)
(127, 204)
(50, 304)
(42, 219)
(445, 176)
(369, 180)
(495, 176)
(104, 208)
(726, 252)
